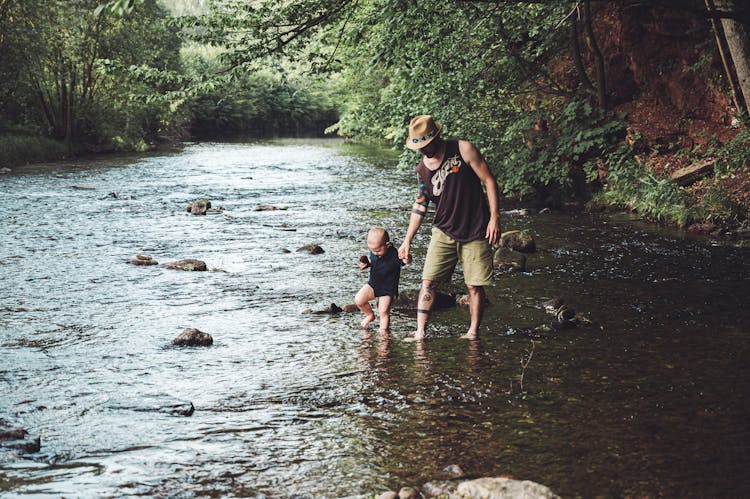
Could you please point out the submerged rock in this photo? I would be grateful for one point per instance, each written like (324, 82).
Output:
(161, 403)
(553, 304)
(330, 309)
(518, 240)
(189, 264)
(199, 207)
(509, 259)
(192, 337)
(17, 440)
(313, 249)
(520, 211)
(566, 316)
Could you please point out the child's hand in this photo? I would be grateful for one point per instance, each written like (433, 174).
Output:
(364, 262)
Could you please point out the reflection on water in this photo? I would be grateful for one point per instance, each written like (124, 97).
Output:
(650, 399)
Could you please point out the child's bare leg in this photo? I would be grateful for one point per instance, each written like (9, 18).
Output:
(384, 310)
(362, 300)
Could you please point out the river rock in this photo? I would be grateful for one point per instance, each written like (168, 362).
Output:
(199, 207)
(192, 337)
(552, 305)
(519, 240)
(454, 471)
(504, 488)
(189, 264)
(388, 495)
(5, 170)
(313, 249)
(159, 402)
(350, 307)
(407, 300)
(408, 493)
(520, 211)
(267, 207)
(330, 309)
(445, 488)
(701, 228)
(508, 259)
(17, 440)
(142, 260)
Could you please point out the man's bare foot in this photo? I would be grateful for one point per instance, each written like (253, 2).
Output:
(366, 321)
(418, 336)
(471, 335)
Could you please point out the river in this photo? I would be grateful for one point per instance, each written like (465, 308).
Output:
(651, 398)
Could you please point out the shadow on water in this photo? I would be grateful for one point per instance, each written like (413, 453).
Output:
(648, 397)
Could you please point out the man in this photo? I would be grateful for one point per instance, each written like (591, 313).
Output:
(466, 222)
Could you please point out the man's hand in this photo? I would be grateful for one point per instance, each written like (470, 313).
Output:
(493, 230)
(404, 252)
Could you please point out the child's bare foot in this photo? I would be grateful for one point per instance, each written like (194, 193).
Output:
(367, 320)
(470, 335)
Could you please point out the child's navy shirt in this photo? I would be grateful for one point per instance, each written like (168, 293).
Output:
(385, 272)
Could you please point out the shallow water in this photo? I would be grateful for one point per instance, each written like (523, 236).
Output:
(649, 399)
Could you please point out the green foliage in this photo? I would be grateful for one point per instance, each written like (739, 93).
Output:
(734, 155)
(258, 103)
(457, 69)
(18, 149)
(631, 186)
(63, 89)
(547, 161)
(717, 206)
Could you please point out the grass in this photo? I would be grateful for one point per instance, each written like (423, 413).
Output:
(23, 149)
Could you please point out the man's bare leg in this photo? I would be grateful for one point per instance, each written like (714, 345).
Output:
(424, 306)
(476, 311)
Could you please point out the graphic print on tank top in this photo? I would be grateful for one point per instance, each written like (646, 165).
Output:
(450, 165)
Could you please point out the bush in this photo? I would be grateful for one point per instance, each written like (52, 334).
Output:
(22, 149)
(631, 186)
(550, 157)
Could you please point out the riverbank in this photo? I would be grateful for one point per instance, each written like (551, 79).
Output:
(21, 149)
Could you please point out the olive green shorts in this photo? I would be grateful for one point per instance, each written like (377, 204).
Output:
(444, 252)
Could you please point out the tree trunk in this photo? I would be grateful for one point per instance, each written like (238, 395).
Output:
(737, 35)
(601, 80)
(577, 58)
(721, 44)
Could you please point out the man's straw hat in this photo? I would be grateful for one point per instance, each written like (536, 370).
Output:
(422, 130)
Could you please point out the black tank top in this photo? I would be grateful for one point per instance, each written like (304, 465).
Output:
(461, 208)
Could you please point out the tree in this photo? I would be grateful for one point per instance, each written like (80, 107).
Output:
(737, 35)
(56, 50)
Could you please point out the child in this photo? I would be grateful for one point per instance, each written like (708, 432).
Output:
(385, 270)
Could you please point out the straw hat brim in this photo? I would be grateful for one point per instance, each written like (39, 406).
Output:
(415, 146)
